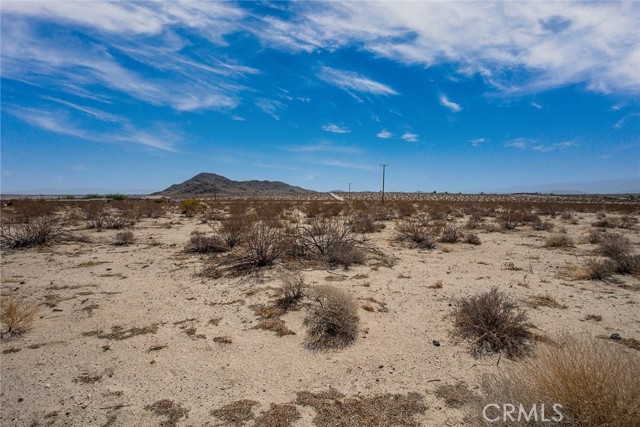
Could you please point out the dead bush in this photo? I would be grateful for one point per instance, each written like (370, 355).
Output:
(234, 229)
(16, 315)
(124, 238)
(333, 320)
(597, 269)
(331, 239)
(510, 219)
(293, 290)
(558, 241)
(265, 244)
(201, 243)
(36, 231)
(595, 382)
(472, 239)
(364, 222)
(494, 323)
(450, 234)
(345, 254)
(417, 232)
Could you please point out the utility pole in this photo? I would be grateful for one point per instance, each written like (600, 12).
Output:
(384, 167)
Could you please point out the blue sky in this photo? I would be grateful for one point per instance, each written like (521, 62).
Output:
(454, 96)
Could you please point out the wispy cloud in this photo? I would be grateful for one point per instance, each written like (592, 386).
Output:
(270, 107)
(477, 141)
(536, 105)
(553, 43)
(323, 147)
(535, 145)
(60, 123)
(445, 102)
(625, 119)
(349, 165)
(384, 134)
(331, 127)
(410, 137)
(353, 82)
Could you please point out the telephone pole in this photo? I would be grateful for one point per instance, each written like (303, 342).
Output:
(384, 167)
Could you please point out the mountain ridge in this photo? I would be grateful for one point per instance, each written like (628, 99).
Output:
(211, 184)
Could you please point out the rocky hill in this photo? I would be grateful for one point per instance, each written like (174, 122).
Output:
(210, 184)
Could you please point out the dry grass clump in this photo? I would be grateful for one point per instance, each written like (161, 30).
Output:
(594, 269)
(494, 323)
(36, 231)
(417, 232)
(455, 395)
(558, 241)
(331, 239)
(335, 410)
(236, 413)
(450, 234)
(333, 320)
(595, 382)
(364, 221)
(546, 300)
(278, 416)
(293, 290)
(17, 316)
(124, 238)
(169, 409)
(201, 243)
(619, 249)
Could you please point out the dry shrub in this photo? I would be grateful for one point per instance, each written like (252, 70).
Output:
(510, 219)
(595, 269)
(201, 243)
(265, 244)
(546, 300)
(613, 246)
(17, 316)
(450, 234)
(472, 239)
(234, 229)
(417, 232)
(539, 225)
(278, 416)
(335, 410)
(345, 254)
(494, 323)
(124, 238)
(169, 409)
(236, 413)
(455, 395)
(333, 320)
(558, 241)
(364, 222)
(331, 239)
(189, 207)
(36, 231)
(595, 382)
(293, 290)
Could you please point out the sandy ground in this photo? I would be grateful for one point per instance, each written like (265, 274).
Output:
(72, 370)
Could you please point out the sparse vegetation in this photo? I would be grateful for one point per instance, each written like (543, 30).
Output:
(418, 233)
(494, 323)
(36, 231)
(201, 243)
(558, 241)
(595, 382)
(124, 238)
(333, 320)
(455, 395)
(172, 411)
(17, 316)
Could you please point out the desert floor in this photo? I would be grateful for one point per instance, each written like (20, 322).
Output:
(121, 328)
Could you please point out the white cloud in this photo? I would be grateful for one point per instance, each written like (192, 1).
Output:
(348, 165)
(445, 102)
(323, 146)
(625, 119)
(331, 127)
(125, 132)
(270, 107)
(534, 145)
(351, 81)
(410, 137)
(549, 44)
(384, 134)
(536, 105)
(477, 141)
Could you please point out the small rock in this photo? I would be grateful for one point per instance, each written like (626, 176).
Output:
(380, 366)
(20, 399)
(615, 337)
(436, 343)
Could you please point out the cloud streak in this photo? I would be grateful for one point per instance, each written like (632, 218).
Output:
(353, 82)
(445, 102)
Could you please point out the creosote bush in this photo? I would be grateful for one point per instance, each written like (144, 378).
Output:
(36, 231)
(417, 232)
(558, 241)
(124, 238)
(17, 316)
(293, 290)
(201, 243)
(596, 382)
(494, 323)
(265, 244)
(333, 320)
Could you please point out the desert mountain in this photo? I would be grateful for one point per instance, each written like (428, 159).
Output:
(209, 184)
